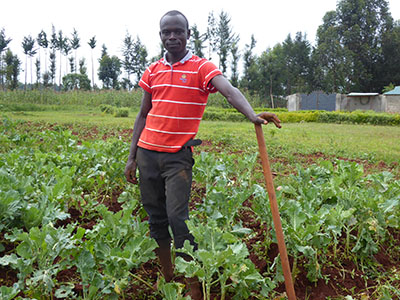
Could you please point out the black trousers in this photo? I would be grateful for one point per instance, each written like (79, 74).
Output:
(165, 181)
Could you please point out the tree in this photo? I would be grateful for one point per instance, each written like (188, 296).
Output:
(82, 66)
(75, 44)
(92, 44)
(127, 62)
(224, 39)
(27, 44)
(74, 81)
(52, 72)
(271, 76)
(66, 50)
(61, 46)
(389, 62)
(3, 47)
(211, 34)
(234, 66)
(139, 60)
(361, 26)
(109, 70)
(12, 70)
(43, 43)
(330, 60)
(249, 60)
(297, 68)
(37, 66)
(71, 60)
(197, 40)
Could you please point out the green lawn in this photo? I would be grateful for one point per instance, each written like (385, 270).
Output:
(366, 142)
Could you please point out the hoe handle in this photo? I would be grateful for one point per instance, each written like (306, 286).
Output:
(275, 213)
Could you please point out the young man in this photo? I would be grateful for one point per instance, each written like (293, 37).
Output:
(176, 89)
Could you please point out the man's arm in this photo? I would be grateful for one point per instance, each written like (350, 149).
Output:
(130, 168)
(238, 101)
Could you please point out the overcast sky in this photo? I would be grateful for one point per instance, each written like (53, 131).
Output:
(269, 21)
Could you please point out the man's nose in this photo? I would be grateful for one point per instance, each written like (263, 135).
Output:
(172, 35)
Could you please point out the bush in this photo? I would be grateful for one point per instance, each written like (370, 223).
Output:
(107, 109)
(122, 113)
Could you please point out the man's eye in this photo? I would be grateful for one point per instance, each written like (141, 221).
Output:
(165, 32)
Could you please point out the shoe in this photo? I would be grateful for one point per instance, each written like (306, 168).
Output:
(194, 288)
(164, 256)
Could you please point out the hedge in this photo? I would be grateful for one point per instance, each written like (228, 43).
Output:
(355, 117)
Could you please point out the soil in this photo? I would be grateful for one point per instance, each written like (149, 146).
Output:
(341, 276)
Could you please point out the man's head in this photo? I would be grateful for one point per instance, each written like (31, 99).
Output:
(174, 32)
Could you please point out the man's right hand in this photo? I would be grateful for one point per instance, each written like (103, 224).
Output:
(130, 171)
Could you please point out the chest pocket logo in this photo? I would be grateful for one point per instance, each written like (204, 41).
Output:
(183, 78)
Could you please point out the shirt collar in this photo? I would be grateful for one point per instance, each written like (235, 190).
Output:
(182, 61)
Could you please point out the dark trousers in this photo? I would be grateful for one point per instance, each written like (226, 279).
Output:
(165, 181)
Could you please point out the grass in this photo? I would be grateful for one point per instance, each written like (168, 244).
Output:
(374, 143)
(365, 142)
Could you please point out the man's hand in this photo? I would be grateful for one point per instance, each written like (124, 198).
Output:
(130, 171)
(266, 117)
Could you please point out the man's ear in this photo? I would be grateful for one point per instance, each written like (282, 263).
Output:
(188, 34)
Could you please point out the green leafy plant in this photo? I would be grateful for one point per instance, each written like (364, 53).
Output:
(221, 259)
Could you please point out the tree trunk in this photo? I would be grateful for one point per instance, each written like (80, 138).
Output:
(92, 72)
(270, 92)
(26, 73)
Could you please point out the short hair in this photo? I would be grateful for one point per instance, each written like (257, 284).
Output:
(176, 13)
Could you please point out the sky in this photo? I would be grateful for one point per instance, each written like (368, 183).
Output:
(109, 21)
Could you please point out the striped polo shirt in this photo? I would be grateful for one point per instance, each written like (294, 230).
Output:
(179, 95)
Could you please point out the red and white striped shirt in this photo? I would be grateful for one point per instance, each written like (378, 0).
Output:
(179, 95)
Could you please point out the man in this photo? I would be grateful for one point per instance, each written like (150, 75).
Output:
(176, 89)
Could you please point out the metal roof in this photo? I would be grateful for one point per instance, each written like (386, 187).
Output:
(395, 91)
(362, 94)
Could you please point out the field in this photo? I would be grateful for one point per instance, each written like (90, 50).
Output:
(72, 228)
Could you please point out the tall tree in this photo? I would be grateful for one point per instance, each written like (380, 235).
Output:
(75, 44)
(234, 66)
(92, 43)
(12, 70)
(38, 76)
(361, 26)
(225, 39)
(82, 66)
(27, 44)
(43, 43)
(72, 68)
(66, 51)
(197, 41)
(109, 70)
(211, 34)
(389, 66)
(249, 60)
(139, 60)
(61, 43)
(3, 47)
(271, 76)
(297, 56)
(127, 62)
(52, 71)
(330, 59)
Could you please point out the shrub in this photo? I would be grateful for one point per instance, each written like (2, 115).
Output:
(122, 113)
(107, 109)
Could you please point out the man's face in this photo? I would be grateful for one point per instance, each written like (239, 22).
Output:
(174, 33)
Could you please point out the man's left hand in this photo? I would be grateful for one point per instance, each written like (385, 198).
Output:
(266, 117)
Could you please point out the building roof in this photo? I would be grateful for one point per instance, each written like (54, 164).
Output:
(362, 94)
(395, 91)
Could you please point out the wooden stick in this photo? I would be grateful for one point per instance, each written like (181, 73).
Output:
(275, 213)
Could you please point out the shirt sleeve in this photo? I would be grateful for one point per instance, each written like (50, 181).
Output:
(208, 71)
(144, 82)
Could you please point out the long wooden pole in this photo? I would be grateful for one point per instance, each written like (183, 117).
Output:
(275, 213)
